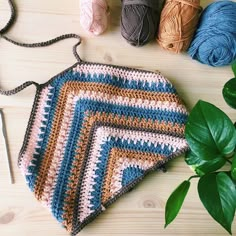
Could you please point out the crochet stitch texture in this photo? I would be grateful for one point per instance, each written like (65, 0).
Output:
(95, 131)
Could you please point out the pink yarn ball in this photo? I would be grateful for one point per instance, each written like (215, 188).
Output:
(94, 15)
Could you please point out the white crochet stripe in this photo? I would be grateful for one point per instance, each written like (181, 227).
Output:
(89, 174)
(28, 155)
(132, 102)
(130, 75)
(103, 134)
(148, 137)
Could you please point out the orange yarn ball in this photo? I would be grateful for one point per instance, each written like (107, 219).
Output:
(179, 19)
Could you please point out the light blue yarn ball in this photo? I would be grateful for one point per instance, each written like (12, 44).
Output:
(214, 42)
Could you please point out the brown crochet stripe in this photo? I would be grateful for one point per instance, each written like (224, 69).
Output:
(135, 123)
(112, 166)
(112, 90)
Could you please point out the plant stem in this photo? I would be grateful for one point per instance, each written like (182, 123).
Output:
(230, 162)
(194, 176)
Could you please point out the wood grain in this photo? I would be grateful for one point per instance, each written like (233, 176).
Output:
(140, 212)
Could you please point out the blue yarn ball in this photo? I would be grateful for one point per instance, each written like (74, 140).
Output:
(214, 42)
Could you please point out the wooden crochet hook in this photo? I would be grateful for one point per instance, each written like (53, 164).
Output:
(4, 135)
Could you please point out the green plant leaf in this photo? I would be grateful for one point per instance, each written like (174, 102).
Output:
(202, 167)
(175, 201)
(218, 194)
(229, 93)
(210, 133)
(233, 168)
(229, 89)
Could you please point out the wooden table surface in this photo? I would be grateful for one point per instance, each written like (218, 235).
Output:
(140, 212)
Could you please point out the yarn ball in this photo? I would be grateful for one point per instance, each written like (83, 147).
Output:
(215, 39)
(179, 19)
(94, 16)
(140, 20)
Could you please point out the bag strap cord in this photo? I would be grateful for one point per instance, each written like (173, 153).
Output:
(32, 45)
(18, 89)
(12, 18)
(48, 42)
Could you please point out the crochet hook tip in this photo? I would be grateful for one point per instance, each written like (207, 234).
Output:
(4, 134)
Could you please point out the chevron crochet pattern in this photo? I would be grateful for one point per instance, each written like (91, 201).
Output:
(95, 131)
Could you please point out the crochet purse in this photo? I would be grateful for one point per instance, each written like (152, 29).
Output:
(94, 132)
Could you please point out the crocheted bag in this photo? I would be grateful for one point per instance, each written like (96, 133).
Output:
(94, 132)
